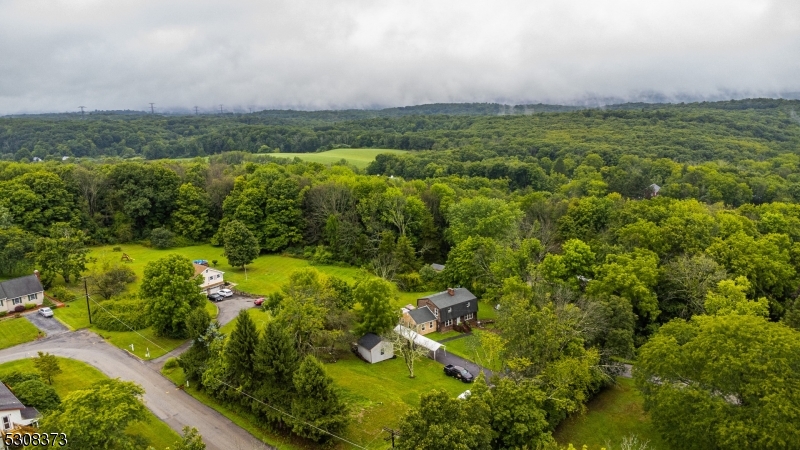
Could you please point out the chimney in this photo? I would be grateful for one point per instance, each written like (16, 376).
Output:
(36, 272)
(451, 291)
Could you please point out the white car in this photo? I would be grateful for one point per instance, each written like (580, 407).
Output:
(225, 292)
(47, 312)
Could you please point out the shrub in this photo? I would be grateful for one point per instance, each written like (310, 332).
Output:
(116, 249)
(29, 306)
(63, 294)
(37, 394)
(131, 312)
(16, 377)
(161, 238)
(19, 308)
(3, 313)
(171, 363)
(409, 282)
(214, 262)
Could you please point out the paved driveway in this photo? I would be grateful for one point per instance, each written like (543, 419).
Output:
(445, 358)
(173, 406)
(230, 307)
(50, 325)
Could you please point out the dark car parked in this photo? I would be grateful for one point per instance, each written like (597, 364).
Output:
(215, 297)
(459, 372)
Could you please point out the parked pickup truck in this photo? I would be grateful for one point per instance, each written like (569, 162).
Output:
(459, 373)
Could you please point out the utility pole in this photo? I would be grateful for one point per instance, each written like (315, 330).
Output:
(86, 290)
(220, 110)
(392, 433)
(152, 110)
(195, 110)
(81, 107)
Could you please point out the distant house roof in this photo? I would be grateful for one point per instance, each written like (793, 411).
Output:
(451, 306)
(421, 315)
(369, 341)
(655, 188)
(199, 268)
(437, 267)
(18, 287)
(8, 400)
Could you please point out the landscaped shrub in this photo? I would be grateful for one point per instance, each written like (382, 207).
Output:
(19, 308)
(63, 294)
(16, 377)
(131, 312)
(29, 306)
(35, 393)
(3, 313)
(161, 238)
(116, 249)
(171, 363)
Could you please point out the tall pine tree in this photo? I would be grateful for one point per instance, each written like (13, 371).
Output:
(240, 350)
(275, 362)
(317, 402)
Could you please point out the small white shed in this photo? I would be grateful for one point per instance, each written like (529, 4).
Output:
(374, 349)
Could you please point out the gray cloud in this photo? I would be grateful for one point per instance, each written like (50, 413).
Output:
(58, 54)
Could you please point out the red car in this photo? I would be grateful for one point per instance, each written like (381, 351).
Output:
(259, 301)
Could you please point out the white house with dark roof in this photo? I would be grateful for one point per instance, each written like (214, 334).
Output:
(374, 349)
(213, 279)
(451, 307)
(13, 413)
(19, 291)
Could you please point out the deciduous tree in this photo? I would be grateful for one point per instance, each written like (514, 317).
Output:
(47, 365)
(241, 247)
(171, 291)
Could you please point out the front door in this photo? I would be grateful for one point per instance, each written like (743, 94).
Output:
(458, 321)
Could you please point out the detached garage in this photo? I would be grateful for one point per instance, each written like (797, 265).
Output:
(374, 349)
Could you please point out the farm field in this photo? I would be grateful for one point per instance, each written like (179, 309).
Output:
(77, 375)
(359, 157)
(614, 414)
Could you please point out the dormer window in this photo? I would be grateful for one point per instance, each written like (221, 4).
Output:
(467, 304)
(449, 310)
(436, 312)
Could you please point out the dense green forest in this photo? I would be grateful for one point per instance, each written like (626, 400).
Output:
(644, 231)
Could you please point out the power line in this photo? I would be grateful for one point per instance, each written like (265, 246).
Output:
(228, 385)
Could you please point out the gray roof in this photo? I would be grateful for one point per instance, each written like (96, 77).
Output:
(456, 305)
(437, 267)
(369, 341)
(421, 315)
(21, 286)
(29, 413)
(8, 400)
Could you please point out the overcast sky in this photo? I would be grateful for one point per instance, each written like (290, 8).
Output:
(56, 55)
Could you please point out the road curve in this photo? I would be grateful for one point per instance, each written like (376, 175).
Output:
(173, 406)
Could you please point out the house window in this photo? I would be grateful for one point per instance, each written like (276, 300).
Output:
(6, 422)
(423, 327)
(382, 350)
(430, 324)
(436, 312)
(2, 302)
(17, 301)
(467, 304)
(448, 322)
(469, 316)
(32, 297)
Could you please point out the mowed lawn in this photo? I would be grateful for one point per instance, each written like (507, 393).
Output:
(15, 331)
(359, 157)
(381, 393)
(77, 375)
(614, 414)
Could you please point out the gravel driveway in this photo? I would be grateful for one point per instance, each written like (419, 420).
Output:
(173, 406)
(50, 325)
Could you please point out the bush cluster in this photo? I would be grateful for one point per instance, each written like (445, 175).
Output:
(63, 294)
(131, 312)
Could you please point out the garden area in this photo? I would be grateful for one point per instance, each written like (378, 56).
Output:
(77, 375)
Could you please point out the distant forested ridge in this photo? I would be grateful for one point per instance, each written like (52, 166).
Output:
(730, 131)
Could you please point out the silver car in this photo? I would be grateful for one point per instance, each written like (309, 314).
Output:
(47, 312)
(225, 292)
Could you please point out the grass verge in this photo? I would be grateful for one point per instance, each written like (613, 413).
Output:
(14, 331)
(77, 375)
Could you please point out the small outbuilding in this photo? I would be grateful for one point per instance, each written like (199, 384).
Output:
(374, 349)
(437, 267)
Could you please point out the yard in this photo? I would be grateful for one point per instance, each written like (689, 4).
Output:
(614, 414)
(77, 375)
(15, 331)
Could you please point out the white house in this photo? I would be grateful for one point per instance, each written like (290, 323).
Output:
(212, 278)
(19, 291)
(374, 349)
(13, 413)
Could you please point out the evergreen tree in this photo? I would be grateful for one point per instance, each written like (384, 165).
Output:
(317, 402)
(274, 364)
(241, 246)
(240, 350)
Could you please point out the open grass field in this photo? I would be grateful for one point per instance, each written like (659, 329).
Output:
(77, 375)
(359, 157)
(15, 331)
(613, 415)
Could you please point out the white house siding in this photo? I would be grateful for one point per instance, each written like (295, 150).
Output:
(7, 304)
(374, 356)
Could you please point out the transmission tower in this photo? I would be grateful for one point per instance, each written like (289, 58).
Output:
(195, 111)
(81, 107)
(152, 110)
(220, 109)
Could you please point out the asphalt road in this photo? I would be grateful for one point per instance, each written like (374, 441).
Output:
(173, 406)
(50, 325)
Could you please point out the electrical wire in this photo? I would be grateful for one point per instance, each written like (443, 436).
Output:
(234, 388)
